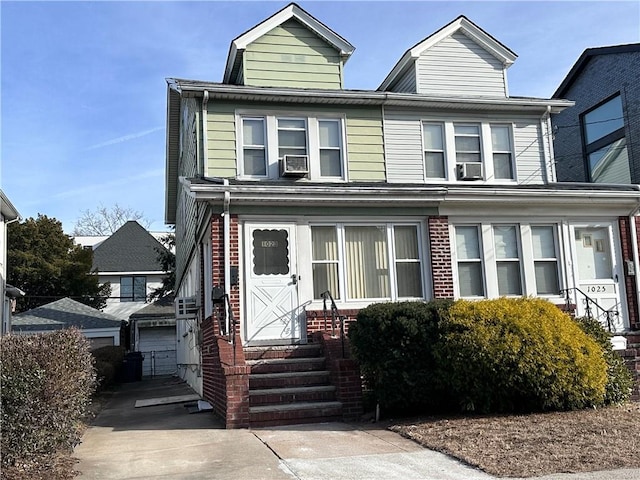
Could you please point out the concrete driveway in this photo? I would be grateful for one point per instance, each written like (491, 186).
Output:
(166, 441)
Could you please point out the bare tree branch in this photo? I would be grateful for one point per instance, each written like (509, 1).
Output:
(106, 220)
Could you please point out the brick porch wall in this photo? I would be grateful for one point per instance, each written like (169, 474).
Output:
(217, 255)
(630, 281)
(440, 256)
(345, 374)
(225, 379)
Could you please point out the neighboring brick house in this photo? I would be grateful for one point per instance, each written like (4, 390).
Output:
(598, 140)
(283, 185)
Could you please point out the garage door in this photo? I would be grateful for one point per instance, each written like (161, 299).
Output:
(158, 347)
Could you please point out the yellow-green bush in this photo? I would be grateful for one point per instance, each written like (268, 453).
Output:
(518, 355)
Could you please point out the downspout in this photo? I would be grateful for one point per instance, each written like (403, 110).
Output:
(227, 247)
(549, 165)
(201, 165)
(634, 249)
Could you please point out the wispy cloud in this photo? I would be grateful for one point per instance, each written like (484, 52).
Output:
(74, 192)
(124, 138)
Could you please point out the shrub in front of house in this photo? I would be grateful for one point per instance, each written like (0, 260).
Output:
(108, 364)
(619, 378)
(518, 355)
(393, 343)
(47, 382)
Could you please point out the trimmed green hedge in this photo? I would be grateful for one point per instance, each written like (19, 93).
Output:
(504, 355)
(619, 378)
(47, 382)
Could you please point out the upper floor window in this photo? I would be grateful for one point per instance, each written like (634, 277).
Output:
(605, 143)
(264, 141)
(468, 151)
(133, 289)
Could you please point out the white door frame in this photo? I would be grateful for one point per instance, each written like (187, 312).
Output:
(272, 311)
(600, 289)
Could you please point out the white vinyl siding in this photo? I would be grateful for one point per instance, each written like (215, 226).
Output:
(407, 82)
(405, 150)
(459, 66)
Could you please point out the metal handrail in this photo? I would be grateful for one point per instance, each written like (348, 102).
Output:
(335, 317)
(590, 301)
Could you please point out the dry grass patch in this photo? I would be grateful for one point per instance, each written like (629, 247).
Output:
(535, 444)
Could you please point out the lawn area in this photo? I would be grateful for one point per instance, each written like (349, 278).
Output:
(535, 444)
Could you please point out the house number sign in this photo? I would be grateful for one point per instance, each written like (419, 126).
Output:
(598, 289)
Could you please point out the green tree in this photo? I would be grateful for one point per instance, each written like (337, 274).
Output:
(167, 261)
(47, 265)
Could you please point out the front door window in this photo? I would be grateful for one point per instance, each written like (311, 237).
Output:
(270, 252)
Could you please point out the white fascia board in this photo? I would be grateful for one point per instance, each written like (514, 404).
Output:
(129, 273)
(495, 48)
(291, 11)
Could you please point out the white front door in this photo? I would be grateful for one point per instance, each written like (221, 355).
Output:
(597, 274)
(273, 313)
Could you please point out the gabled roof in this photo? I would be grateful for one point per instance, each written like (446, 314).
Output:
(584, 59)
(239, 44)
(7, 209)
(131, 248)
(63, 313)
(461, 24)
(161, 308)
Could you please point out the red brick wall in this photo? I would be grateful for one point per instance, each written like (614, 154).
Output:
(345, 374)
(630, 281)
(440, 252)
(217, 256)
(631, 358)
(315, 321)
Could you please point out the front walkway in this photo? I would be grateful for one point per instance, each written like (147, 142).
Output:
(168, 442)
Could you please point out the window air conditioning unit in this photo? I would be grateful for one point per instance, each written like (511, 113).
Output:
(469, 171)
(186, 307)
(294, 166)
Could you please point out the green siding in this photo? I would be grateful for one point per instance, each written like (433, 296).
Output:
(221, 140)
(365, 150)
(292, 56)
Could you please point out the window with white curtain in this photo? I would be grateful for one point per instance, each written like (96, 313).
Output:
(470, 272)
(358, 262)
(507, 253)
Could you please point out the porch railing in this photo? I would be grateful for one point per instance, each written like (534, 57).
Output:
(590, 306)
(337, 320)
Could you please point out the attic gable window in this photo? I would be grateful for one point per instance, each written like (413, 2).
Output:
(265, 140)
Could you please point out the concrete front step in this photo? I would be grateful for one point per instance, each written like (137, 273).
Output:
(288, 379)
(293, 413)
(271, 396)
(283, 351)
(280, 365)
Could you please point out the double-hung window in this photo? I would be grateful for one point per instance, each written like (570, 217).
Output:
(467, 140)
(516, 259)
(254, 147)
(367, 262)
(434, 154)
(502, 152)
(470, 270)
(133, 289)
(605, 143)
(507, 253)
(266, 139)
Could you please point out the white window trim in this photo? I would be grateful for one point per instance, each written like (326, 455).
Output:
(486, 150)
(241, 145)
(272, 148)
(527, 259)
(391, 259)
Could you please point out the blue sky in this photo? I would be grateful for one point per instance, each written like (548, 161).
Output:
(83, 86)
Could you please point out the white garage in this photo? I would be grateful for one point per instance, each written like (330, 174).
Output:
(154, 335)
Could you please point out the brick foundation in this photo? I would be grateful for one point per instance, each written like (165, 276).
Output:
(345, 374)
(225, 377)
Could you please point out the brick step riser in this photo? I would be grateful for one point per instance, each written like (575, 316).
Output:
(294, 421)
(285, 398)
(289, 367)
(293, 353)
(258, 383)
(315, 415)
